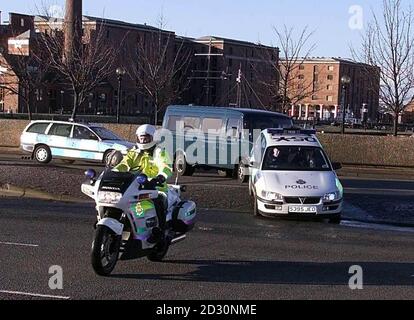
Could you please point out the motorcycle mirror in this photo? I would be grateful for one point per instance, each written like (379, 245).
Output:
(90, 174)
(142, 179)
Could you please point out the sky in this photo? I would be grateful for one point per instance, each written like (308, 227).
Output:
(337, 24)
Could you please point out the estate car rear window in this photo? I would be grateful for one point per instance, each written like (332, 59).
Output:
(61, 130)
(38, 128)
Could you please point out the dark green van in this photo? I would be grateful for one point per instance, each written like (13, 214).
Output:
(217, 137)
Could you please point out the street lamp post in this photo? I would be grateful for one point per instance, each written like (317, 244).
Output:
(345, 81)
(120, 72)
(61, 100)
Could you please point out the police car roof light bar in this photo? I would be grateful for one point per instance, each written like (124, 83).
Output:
(280, 131)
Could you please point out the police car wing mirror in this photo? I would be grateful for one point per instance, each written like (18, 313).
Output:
(336, 166)
(250, 164)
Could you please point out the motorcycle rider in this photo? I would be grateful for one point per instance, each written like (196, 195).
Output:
(152, 161)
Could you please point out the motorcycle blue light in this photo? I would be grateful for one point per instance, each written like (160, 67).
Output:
(90, 173)
(142, 178)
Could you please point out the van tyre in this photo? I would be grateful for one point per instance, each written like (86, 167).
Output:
(242, 177)
(181, 166)
(42, 154)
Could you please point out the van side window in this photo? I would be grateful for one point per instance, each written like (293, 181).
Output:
(61, 130)
(172, 124)
(232, 129)
(83, 133)
(191, 123)
(213, 124)
(38, 128)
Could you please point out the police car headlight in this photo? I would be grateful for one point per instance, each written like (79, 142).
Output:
(333, 196)
(272, 196)
(109, 197)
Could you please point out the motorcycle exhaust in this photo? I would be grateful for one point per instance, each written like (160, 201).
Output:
(178, 239)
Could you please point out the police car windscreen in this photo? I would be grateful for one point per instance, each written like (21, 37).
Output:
(105, 134)
(295, 158)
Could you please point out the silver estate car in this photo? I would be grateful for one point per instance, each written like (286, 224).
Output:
(70, 141)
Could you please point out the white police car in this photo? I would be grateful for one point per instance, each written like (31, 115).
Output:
(290, 174)
(70, 141)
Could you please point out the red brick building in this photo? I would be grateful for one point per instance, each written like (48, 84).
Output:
(324, 75)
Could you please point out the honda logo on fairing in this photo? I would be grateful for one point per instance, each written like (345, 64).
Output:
(301, 182)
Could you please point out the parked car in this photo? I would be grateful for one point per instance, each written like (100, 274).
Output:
(46, 140)
(229, 129)
(292, 175)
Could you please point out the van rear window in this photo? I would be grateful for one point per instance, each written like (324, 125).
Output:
(38, 128)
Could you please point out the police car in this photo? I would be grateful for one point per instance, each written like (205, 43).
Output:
(291, 175)
(70, 141)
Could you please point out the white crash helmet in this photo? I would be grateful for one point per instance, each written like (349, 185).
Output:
(143, 130)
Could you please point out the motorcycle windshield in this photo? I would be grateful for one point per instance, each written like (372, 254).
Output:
(117, 181)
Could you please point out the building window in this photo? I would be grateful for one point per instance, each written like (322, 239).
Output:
(329, 87)
(329, 98)
(315, 69)
(301, 67)
(330, 68)
(107, 34)
(22, 22)
(314, 97)
(39, 94)
(301, 77)
(330, 77)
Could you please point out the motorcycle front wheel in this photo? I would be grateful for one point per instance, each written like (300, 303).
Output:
(105, 251)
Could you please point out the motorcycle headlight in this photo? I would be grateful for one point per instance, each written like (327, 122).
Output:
(332, 196)
(109, 197)
(272, 196)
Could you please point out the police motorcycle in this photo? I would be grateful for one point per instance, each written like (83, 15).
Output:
(127, 225)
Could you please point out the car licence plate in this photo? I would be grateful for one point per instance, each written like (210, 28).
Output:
(302, 209)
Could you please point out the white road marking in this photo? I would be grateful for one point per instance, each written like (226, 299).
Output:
(374, 226)
(34, 295)
(402, 192)
(19, 244)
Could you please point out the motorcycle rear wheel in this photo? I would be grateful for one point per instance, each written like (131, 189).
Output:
(159, 252)
(105, 251)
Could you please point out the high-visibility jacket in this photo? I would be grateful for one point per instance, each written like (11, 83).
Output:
(152, 164)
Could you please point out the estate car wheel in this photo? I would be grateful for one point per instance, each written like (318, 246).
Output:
(42, 154)
(181, 166)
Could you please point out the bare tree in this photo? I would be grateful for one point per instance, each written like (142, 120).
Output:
(24, 76)
(86, 66)
(389, 43)
(159, 66)
(291, 87)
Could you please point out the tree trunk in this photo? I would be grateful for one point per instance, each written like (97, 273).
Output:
(29, 111)
(395, 129)
(75, 106)
(156, 115)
